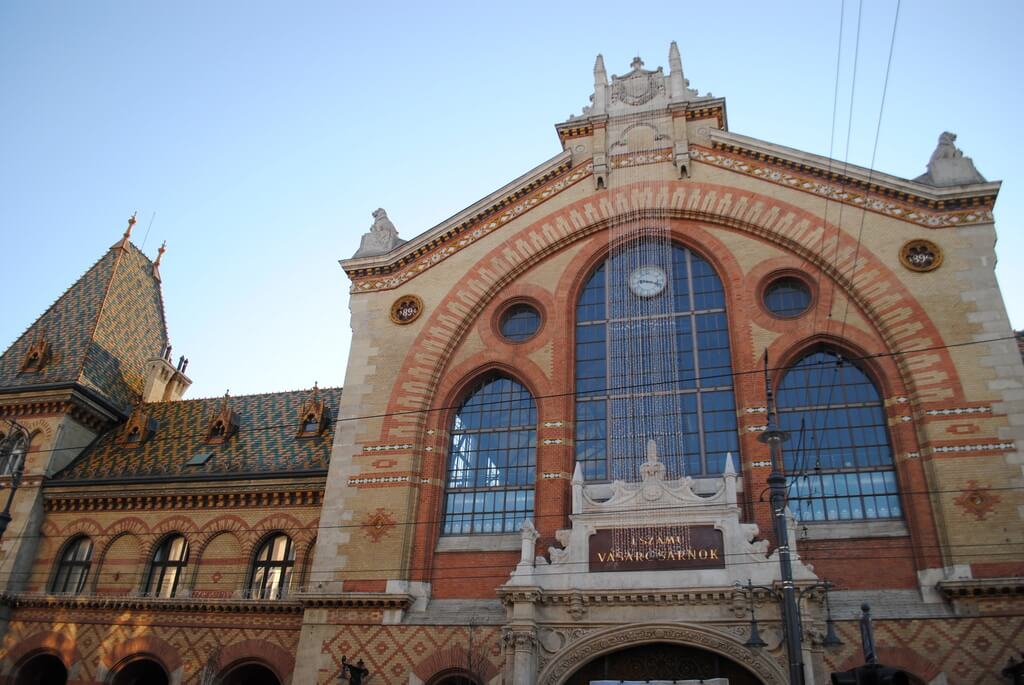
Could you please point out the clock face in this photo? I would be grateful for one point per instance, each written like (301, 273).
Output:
(648, 281)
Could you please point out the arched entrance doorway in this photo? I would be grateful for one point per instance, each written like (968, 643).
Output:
(140, 671)
(454, 676)
(42, 669)
(249, 674)
(662, 661)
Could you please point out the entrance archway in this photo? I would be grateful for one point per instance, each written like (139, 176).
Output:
(141, 671)
(42, 669)
(662, 661)
(455, 676)
(704, 641)
(251, 673)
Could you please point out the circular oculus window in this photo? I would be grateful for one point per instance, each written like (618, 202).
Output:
(787, 297)
(519, 322)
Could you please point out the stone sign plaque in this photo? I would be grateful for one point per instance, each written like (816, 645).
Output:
(657, 549)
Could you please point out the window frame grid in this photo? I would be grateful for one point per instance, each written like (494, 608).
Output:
(262, 584)
(467, 503)
(871, 465)
(73, 565)
(683, 293)
(160, 567)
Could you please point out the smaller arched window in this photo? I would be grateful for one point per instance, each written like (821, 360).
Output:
(12, 452)
(73, 567)
(842, 466)
(272, 568)
(168, 567)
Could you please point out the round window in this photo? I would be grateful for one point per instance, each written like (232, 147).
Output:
(787, 297)
(519, 322)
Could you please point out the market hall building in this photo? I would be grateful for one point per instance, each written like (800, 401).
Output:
(545, 465)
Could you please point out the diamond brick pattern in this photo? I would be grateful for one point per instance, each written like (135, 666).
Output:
(392, 652)
(971, 651)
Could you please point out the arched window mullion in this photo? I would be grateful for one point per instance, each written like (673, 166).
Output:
(851, 474)
(492, 460)
(691, 363)
(272, 568)
(73, 567)
(167, 567)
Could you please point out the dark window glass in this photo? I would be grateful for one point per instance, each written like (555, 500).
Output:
(519, 322)
(787, 297)
(12, 452)
(843, 468)
(167, 568)
(73, 568)
(657, 367)
(492, 460)
(272, 569)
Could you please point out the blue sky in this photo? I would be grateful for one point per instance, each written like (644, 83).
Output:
(262, 135)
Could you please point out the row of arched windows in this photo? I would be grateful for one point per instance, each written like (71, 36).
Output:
(670, 367)
(269, 577)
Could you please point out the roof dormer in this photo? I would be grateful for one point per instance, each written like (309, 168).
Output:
(223, 425)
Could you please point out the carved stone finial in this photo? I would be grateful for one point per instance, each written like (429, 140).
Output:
(600, 75)
(381, 238)
(948, 166)
(636, 64)
(123, 242)
(159, 256)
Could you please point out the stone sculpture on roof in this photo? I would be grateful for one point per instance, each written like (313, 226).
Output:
(381, 238)
(948, 166)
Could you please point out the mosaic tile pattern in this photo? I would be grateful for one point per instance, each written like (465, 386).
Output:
(101, 330)
(130, 331)
(265, 441)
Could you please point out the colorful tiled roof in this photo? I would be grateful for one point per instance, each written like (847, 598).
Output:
(101, 331)
(264, 443)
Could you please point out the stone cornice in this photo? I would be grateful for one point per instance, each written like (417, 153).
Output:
(981, 588)
(125, 602)
(295, 603)
(853, 176)
(434, 245)
(306, 494)
(81, 404)
(355, 600)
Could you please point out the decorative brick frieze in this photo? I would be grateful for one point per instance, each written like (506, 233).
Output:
(837, 188)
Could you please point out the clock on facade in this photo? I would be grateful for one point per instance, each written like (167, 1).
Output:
(648, 280)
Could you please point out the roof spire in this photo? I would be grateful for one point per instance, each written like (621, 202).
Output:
(159, 256)
(123, 242)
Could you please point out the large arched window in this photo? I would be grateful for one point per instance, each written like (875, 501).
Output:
(272, 568)
(73, 567)
(167, 568)
(653, 363)
(838, 455)
(492, 460)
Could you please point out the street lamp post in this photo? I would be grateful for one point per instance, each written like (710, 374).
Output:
(773, 436)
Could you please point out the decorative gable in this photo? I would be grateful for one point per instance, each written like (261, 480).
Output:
(223, 425)
(37, 355)
(313, 416)
(139, 428)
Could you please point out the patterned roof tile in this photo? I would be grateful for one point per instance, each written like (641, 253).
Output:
(101, 330)
(265, 442)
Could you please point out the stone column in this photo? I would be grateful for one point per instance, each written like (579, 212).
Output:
(521, 646)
